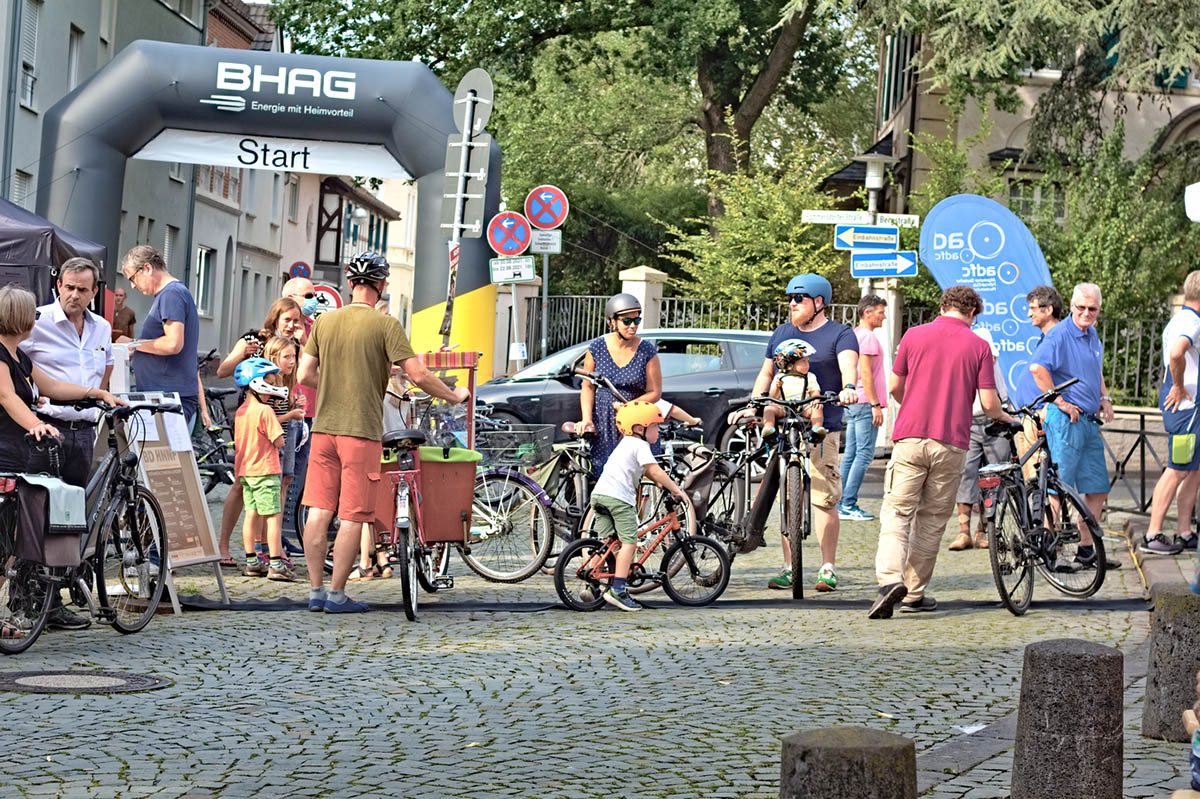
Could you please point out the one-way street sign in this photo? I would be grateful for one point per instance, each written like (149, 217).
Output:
(883, 264)
(863, 237)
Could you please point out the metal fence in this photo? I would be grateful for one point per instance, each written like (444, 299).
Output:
(1132, 349)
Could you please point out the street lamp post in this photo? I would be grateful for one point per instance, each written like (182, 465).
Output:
(352, 212)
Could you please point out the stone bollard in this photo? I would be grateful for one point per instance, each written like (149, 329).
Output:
(1070, 722)
(1174, 661)
(847, 762)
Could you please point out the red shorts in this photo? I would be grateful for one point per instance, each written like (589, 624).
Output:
(343, 476)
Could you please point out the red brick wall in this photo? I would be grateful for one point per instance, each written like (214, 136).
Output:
(222, 34)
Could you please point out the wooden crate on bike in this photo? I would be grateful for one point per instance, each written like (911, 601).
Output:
(447, 490)
(516, 445)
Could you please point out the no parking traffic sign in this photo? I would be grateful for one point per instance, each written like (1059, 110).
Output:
(546, 207)
(508, 233)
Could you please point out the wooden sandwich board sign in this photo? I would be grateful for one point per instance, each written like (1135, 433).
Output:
(167, 466)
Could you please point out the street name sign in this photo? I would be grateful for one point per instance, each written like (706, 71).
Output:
(814, 216)
(899, 220)
(859, 237)
(512, 270)
(546, 242)
(883, 264)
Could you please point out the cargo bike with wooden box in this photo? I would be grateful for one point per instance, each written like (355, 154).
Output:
(440, 498)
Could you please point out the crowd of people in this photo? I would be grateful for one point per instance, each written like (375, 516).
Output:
(314, 393)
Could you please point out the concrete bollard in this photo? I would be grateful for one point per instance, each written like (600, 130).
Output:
(1174, 661)
(1070, 722)
(847, 762)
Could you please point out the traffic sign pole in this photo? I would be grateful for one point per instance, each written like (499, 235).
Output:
(456, 233)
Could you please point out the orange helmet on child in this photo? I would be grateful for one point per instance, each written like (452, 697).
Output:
(637, 412)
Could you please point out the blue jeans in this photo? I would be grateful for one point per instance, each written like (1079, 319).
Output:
(860, 449)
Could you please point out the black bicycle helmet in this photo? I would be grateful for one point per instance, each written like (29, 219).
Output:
(367, 267)
(620, 303)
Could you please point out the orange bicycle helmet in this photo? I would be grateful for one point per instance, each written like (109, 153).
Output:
(637, 412)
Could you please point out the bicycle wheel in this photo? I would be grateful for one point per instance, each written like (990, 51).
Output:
(695, 571)
(1008, 550)
(795, 511)
(1069, 573)
(408, 566)
(652, 507)
(26, 589)
(300, 515)
(433, 565)
(132, 567)
(727, 504)
(575, 572)
(510, 529)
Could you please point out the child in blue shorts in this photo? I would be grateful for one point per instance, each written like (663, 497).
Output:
(637, 422)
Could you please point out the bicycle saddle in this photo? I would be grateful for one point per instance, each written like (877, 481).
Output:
(221, 392)
(394, 438)
(998, 468)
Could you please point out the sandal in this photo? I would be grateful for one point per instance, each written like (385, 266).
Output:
(11, 631)
(383, 571)
(228, 563)
(359, 573)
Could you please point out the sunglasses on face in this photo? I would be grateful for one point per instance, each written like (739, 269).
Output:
(309, 295)
(1088, 308)
(798, 298)
(630, 321)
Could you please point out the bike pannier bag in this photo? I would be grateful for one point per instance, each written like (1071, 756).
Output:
(50, 520)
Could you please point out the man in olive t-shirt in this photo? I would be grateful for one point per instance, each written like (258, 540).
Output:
(348, 359)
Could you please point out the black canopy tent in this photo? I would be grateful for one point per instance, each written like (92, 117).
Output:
(32, 247)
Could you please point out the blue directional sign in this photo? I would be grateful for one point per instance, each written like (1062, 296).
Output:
(883, 264)
(866, 237)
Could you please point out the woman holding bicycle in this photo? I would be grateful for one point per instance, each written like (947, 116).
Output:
(630, 363)
(21, 383)
(285, 319)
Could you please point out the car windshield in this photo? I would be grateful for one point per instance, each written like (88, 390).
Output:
(551, 365)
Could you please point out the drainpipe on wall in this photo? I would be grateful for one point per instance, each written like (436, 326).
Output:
(10, 109)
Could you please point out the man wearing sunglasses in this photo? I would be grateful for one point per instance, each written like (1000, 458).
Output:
(1073, 349)
(835, 363)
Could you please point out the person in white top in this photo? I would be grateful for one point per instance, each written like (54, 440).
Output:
(1181, 419)
(614, 495)
(72, 344)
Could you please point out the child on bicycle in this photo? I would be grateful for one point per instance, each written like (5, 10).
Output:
(257, 436)
(793, 381)
(614, 495)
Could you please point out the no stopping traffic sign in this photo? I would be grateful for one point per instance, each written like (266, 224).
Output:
(508, 233)
(546, 207)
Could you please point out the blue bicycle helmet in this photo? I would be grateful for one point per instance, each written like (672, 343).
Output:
(250, 373)
(812, 285)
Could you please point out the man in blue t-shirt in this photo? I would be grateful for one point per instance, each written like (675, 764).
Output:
(835, 363)
(1071, 349)
(165, 356)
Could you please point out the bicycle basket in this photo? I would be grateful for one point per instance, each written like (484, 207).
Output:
(518, 445)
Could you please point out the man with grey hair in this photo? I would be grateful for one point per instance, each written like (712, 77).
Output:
(1073, 349)
(1181, 419)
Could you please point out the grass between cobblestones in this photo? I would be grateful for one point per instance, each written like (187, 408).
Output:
(670, 702)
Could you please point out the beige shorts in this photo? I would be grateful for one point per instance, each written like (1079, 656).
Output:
(825, 474)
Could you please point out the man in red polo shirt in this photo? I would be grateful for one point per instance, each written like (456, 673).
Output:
(939, 367)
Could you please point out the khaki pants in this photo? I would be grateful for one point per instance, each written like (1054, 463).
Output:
(1025, 440)
(919, 489)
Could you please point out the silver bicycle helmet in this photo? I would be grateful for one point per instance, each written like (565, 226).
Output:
(620, 303)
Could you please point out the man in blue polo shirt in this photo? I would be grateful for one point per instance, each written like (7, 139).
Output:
(1073, 349)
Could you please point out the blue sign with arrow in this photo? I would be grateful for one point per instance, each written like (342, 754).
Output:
(866, 237)
(883, 264)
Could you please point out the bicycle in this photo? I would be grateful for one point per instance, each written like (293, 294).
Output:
(123, 555)
(1020, 537)
(739, 524)
(587, 567)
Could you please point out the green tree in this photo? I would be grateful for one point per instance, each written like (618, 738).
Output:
(759, 243)
(737, 53)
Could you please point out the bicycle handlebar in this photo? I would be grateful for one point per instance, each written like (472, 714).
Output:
(825, 399)
(597, 378)
(125, 411)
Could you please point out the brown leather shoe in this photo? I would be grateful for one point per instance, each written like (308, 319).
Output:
(981, 541)
(962, 542)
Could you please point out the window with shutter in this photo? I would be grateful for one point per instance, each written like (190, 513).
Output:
(169, 244)
(21, 190)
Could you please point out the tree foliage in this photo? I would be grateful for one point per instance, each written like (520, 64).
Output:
(760, 243)
(737, 53)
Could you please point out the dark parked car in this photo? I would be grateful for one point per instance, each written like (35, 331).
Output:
(702, 370)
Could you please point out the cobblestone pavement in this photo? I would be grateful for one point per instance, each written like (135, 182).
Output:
(670, 702)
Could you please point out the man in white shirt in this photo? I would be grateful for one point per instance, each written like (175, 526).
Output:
(71, 343)
(1177, 399)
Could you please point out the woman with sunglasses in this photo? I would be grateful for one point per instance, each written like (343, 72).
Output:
(631, 363)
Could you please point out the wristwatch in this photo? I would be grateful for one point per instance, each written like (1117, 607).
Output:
(876, 405)
(1106, 397)
(849, 385)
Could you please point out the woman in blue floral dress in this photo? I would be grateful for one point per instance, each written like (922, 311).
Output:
(631, 363)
